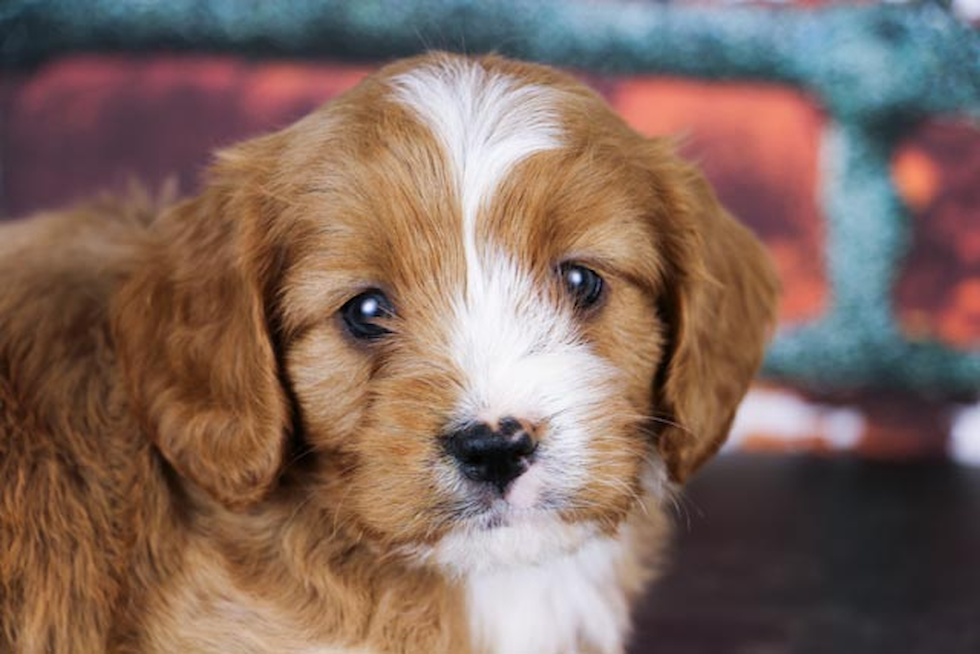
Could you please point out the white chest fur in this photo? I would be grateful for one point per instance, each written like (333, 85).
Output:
(575, 604)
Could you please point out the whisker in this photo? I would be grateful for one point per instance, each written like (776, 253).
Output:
(300, 455)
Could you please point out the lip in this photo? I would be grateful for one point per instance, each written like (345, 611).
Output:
(497, 512)
(504, 537)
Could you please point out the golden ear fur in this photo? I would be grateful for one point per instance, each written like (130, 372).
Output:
(192, 333)
(720, 302)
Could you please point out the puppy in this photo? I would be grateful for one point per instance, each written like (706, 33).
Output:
(415, 374)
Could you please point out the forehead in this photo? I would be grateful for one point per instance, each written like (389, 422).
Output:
(417, 176)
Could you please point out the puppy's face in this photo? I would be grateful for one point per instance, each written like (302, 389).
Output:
(480, 290)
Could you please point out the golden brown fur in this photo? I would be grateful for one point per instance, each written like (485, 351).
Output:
(196, 457)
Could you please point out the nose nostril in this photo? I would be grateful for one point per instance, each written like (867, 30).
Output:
(509, 426)
(522, 445)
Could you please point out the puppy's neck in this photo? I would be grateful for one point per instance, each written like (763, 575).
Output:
(282, 579)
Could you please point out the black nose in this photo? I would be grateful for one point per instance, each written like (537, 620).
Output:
(497, 456)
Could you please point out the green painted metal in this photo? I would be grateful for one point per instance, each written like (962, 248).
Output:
(876, 69)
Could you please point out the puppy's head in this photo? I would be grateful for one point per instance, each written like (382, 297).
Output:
(493, 312)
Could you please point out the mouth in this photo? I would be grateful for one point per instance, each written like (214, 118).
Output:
(498, 513)
(502, 536)
(487, 528)
(524, 498)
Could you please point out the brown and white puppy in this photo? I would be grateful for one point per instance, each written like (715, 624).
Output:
(415, 375)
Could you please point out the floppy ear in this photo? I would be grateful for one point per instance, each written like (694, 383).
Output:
(195, 346)
(719, 302)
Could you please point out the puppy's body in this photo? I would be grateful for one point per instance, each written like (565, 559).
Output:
(205, 448)
(81, 486)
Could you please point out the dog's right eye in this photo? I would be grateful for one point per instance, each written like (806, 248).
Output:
(364, 315)
(583, 284)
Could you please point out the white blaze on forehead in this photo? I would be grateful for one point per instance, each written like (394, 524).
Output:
(486, 124)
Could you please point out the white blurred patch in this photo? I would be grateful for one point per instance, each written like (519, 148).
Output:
(783, 416)
(964, 444)
(968, 10)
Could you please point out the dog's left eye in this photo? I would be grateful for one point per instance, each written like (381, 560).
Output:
(583, 284)
(363, 313)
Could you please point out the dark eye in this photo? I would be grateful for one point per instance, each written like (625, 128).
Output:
(583, 284)
(363, 314)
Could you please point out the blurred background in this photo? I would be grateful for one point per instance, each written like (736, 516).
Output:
(847, 135)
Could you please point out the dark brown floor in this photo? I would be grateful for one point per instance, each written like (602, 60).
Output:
(805, 555)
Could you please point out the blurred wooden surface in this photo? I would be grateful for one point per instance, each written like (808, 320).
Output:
(779, 555)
